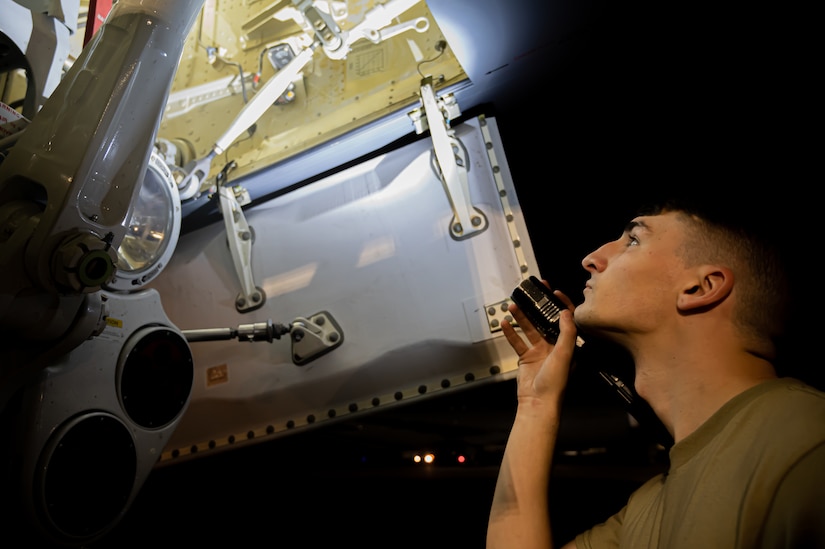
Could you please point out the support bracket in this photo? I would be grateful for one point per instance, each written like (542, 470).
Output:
(240, 238)
(450, 159)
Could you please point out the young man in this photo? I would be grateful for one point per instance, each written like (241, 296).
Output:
(700, 305)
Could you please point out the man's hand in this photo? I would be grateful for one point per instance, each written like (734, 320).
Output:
(543, 366)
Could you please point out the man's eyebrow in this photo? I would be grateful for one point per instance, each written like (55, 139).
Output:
(634, 224)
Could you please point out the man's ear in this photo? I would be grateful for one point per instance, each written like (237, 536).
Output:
(710, 285)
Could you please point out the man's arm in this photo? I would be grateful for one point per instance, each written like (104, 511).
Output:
(519, 516)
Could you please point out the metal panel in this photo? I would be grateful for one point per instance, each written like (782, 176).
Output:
(328, 98)
(371, 246)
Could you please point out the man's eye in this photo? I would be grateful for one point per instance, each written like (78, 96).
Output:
(632, 240)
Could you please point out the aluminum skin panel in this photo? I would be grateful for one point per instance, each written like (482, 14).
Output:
(370, 245)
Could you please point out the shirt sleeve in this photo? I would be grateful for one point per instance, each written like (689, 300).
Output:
(604, 535)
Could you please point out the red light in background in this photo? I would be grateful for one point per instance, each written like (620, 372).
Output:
(461, 459)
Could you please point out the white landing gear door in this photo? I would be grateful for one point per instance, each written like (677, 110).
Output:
(364, 260)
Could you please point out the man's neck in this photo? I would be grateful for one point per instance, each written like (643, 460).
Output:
(685, 391)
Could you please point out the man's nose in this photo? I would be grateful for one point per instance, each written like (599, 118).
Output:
(596, 260)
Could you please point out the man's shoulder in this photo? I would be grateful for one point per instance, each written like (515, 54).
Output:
(791, 392)
(785, 408)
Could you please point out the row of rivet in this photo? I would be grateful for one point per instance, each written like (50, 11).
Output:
(311, 419)
(502, 193)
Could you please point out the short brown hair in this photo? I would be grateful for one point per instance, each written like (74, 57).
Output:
(744, 244)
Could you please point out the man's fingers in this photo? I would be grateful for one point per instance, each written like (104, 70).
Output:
(526, 326)
(561, 295)
(567, 335)
(515, 340)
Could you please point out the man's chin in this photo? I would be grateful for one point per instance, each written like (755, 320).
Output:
(588, 325)
(581, 314)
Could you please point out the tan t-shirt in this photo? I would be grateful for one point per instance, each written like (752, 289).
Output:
(752, 476)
